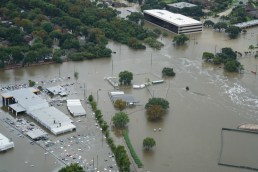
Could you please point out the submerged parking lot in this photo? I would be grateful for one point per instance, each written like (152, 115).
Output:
(86, 146)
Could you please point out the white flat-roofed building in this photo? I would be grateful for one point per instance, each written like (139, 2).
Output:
(25, 100)
(53, 119)
(176, 23)
(75, 107)
(5, 143)
(181, 5)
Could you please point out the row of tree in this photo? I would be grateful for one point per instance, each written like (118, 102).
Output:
(227, 57)
(119, 151)
(232, 31)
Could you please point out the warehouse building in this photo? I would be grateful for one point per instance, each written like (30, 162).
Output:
(176, 23)
(26, 100)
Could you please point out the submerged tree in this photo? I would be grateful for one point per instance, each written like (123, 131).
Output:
(148, 143)
(155, 112)
(208, 23)
(156, 107)
(120, 119)
(168, 71)
(180, 39)
(120, 104)
(125, 77)
(233, 31)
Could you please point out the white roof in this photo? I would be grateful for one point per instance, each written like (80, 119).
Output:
(36, 133)
(53, 119)
(75, 107)
(173, 18)
(181, 5)
(27, 99)
(116, 93)
(247, 24)
(57, 90)
(17, 107)
(5, 143)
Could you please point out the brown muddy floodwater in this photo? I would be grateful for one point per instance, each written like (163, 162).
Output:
(190, 136)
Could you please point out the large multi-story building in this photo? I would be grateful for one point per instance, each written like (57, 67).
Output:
(176, 23)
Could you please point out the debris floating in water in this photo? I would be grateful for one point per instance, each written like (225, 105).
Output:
(187, 88)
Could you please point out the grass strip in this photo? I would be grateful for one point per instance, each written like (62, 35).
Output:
(131, 149)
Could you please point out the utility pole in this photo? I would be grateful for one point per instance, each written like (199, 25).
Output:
(112, 67)
(84, 92)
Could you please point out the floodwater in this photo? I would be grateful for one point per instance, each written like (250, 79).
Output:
(190, 136)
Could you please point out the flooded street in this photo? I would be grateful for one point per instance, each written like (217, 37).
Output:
(190, 136)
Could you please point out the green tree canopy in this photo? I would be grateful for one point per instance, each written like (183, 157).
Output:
(135, 17)
(72, 168)
(180, 39)
(232, 66)
(220, 26)
(157, 101)
(120, 119)
(122, 159)
(168, 71)
(207, 56)
(148, 143)
(208, 23)
(125, 77)
(233, 31)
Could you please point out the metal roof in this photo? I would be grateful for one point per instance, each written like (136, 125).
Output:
(173, 18)
(36, 133)
(53, 119)
(129, 99)
(75, 107)
(182, 5)
(247, 24)
(27, 99)
(57, 90)
(5, 143)
(17, 107)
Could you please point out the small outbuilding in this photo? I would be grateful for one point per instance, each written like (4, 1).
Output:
(5, 143)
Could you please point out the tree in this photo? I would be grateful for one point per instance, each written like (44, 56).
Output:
(180, 39)
(155, 112)
(148, 143)
(47, 26)
(168, 71)
(251, 47)
(122, 159)
(120, 119)
(90, 98)
(157, 101)
(125, 77)
(233, 31)
(229, 53)
(135, 17)
(120, 104)
(32, 83)
(208, 23)
(232, 66)
(207, 56)
(220, 26)
(72, 168)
